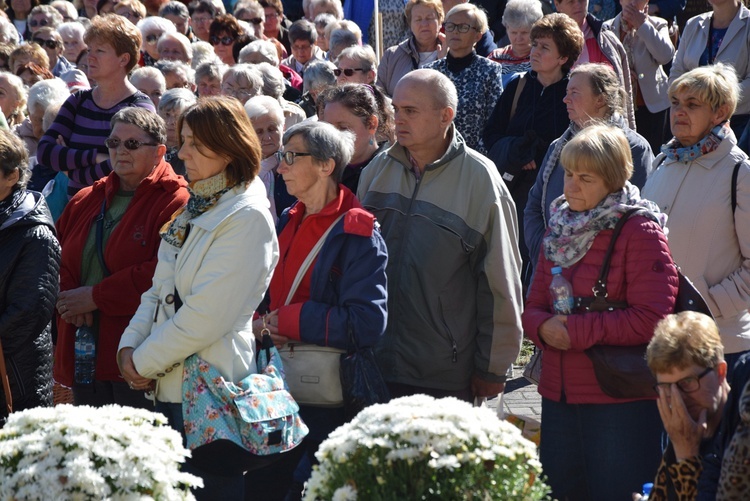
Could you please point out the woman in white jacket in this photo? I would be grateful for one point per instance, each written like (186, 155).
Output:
(215, 263)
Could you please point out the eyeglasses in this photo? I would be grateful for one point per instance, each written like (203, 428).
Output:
(50, 44)
(461, 28)
(130, 144)
(348, 71)
(686, 385)
(272, 15)
(153, 38)
(289, 156)
(223, 40)
(232, 91)
(255, 20)
(202, 20)
(34, 23)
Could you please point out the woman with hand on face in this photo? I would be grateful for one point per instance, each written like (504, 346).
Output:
(647, 43)
(109, 234)
(587, 430)
(699, 175)
(75, 141)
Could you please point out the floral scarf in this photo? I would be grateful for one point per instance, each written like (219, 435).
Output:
(571, 233)
(204, 194)
(674, 150)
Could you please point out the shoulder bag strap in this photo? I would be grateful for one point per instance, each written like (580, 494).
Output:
(516, 96)
(100, 237)
(600, 289)
(6, 382)
(309, 259)
(735, 172)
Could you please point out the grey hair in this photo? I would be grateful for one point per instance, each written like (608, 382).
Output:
(148, 72)
(263, 47)
(324, 19)
(47, 92)
(13, 156)
(363, 54)
(71, 28)
(479, 15)
(57, 18)
(340, 39)
(303, 30)
(247, 72)
(67, 6)
(273, 80)
(336, 4)
(318, 74)
(148, 121)
(174, 8)
(184, 41)
(213, 70)
(604, 82)
(522, 13)
(8, 32)
(153, 23)
(177, 99)
(324, 141)
(203, 53)
(169, 67)
(258, 106)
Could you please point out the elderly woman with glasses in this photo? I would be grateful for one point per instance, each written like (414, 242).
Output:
(52, 43)
(75, 141)
(152, 28)
(356, 64)
(343, 293)
(110, 235)
(242, 81)
(223, 34)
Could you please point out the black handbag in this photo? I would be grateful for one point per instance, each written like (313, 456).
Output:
(621, 371)
(362, 383)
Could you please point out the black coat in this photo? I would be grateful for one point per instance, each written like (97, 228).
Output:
(29, 279)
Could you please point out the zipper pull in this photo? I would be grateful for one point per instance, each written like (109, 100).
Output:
(156, 311)
(455, 352)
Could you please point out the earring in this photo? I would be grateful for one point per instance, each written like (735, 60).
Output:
(372, 141)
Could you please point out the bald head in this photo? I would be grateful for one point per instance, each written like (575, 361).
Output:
(435, 84)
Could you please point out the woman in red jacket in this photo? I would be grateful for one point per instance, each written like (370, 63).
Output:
(594, 446)
(106, 267)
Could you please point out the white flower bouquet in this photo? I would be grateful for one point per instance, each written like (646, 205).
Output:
(421, 448)
(113, 452)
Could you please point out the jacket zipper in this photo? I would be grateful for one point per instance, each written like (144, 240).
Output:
(452, 340)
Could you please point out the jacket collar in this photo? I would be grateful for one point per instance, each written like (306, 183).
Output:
(710, 160)
(456, 146)
(161, 178)
(232, 201)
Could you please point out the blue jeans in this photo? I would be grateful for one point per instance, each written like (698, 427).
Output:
(600, 451)
(215, 487)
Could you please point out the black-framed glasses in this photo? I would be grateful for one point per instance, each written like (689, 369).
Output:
(289, 156)
(461, 28)
(223, 40)
(34, 23)
(50, 44)
(689, 384)
(348, 71)
(131, 144)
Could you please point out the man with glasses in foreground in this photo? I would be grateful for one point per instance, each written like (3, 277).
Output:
(699, 411)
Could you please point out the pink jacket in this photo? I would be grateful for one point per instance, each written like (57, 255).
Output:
(642, 273)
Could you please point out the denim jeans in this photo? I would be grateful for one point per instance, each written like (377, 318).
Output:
(600, 451)
(215, 487)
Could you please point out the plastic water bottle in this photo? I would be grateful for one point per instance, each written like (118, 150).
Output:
(562, 293)
(646, 491)
(85, 355)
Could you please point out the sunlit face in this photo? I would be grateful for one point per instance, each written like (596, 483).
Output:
(170, 118)
(21, 7)
(708, 396)
(103, 62)
(181, 23)
(461, 44)
(201, 22)
(224, 52)
(150, 41)
(172, 50)
(128, 13)
(340, 117)
(574, 9)
(545, 58)
(269, 130)
(322, 40)
(238, 87)
(303, 176)
(133, 166)
(302, 51)
(30, 78)
(9, 98)
(425, 24)
(177, 80)
(36, 117)
(39, 21)
(692, 119)
(418, 120)
(208, 86)
(582, 104)
(583, 190)
(44, 40)
(73, 46)
(200, 162)
(273, 22)
(150, 86)
(358, 73)
(255, 18)
(520, 40)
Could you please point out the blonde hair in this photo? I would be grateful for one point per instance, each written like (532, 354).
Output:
(683, 339)
(437, 5)
(602, 150)
(480, 17)
(715, 85)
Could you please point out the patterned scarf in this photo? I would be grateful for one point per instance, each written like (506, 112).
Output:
(204, 194)
(674, 150)
(572, 233)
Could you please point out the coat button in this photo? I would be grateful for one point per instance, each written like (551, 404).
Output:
(169, 299)
(176, 364)
(160, 374)
(168, 369)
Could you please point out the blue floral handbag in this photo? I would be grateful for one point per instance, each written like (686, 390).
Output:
(235, 427)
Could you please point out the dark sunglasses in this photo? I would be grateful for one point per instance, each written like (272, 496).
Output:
(153, 38)
(131, 144)
(36, 23)
(255, 20)
(50, 44)
(223, 41)
(348, 72)
(289, 156)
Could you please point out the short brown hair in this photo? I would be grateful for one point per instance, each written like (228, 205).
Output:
(564, 32)
(227, 23)
(30, 51)
(683, 339)
(602, 150)
(220, 124)
(437, 5)
(273, 4)
(118, 32)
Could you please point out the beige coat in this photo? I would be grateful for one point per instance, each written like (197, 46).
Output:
(711, 247)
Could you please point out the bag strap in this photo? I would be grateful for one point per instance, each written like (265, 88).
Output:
(735, 173)
(100, 237)
(309, 259)
(6, 382)
(600, 289)
(517, 96)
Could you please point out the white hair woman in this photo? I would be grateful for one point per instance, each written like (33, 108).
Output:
(72, 35)
(150, 81)
(172, 105)
(175, 47)
(152, 28)
(518, 17)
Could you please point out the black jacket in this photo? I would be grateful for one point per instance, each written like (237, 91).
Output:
(29, 278)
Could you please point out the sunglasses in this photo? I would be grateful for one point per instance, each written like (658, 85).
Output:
(50, 44)
(289, 156)
(153, 38)
(223, 41)
(348, 71)
(130, 144)
(36, 23)
(255, 20)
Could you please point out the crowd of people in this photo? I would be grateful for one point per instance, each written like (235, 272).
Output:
(181, 178)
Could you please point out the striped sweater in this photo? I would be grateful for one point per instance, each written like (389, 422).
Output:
(84, 126)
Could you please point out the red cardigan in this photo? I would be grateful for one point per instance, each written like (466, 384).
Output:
(130, 255)
(642, 273)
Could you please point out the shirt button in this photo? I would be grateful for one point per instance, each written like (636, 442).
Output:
(176, 364)
(169, 369)
(160, 374)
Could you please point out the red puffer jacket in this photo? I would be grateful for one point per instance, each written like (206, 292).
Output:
(642, 273)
